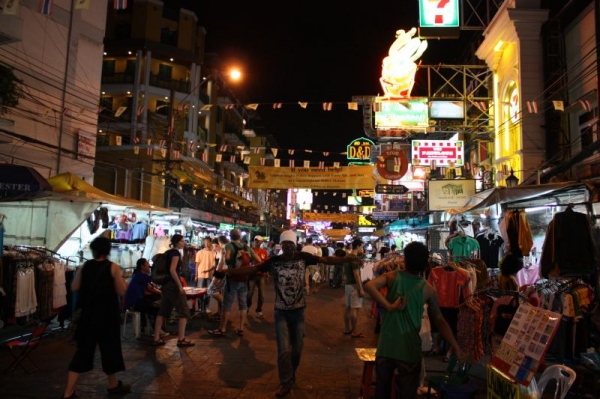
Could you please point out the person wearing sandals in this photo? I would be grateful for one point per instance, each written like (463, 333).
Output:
(215, 288)
(100, 284)
(288, 271)
(173, 295)
(234, 289)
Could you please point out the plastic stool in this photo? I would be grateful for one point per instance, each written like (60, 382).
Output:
(136, 318)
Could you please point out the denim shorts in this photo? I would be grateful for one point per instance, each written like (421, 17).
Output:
(353, 300)
(233, 289)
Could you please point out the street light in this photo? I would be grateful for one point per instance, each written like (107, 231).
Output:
(512, 180)
(235, 75)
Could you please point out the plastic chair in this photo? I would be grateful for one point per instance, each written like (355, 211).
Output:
(21, 348)
(449, 377)
(136, 319)
(565, 377)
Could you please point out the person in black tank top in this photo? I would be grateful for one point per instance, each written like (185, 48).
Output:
(100, 284)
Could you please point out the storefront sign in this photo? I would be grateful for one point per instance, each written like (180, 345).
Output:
(385, 215)
(226, 226)
(86, 146)
(448, 194)
(363, 221)
(392, 164)
(407, 114)
(328, 178)
(439, 14)
(360, 149)
(366, 229)
(445, 109)
(443, 152)
(329, 217)
(499, 386)
(390, 189)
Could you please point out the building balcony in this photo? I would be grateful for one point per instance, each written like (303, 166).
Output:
(11, 29)
(180, 85)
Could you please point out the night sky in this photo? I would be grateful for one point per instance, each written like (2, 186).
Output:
(315, 52)
(311, 51)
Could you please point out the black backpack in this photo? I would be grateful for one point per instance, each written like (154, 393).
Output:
(160, 268)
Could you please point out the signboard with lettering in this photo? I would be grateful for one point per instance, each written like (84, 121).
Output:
(86, 146)
(360, 150)
(408, 114)
(439, 13)
(385, 215)
(326, 178)
(525, 343)
(448, 194)
(443, 152)
(500, 386)
(439, 18)
(392, 164)
(390, 189)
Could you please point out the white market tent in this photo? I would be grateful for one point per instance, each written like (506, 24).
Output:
(49, 218)
(557, 193)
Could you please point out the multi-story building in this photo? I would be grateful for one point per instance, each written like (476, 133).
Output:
(58, 58)
(166, 115)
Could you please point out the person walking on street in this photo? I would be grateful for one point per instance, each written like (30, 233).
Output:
(354, 291)
(312, 268)
(205, 264)
(233, 288)
(100, 285)
(288, 271)
(399, 346)
(215, 288)
(173, 295)
(258, 280)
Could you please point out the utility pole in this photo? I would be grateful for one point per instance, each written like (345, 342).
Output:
(169, 141)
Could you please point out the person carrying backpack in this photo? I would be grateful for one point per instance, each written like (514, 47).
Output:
(237, 255)
(173, 295)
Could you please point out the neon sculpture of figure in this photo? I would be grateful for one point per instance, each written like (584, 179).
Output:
(399, 67)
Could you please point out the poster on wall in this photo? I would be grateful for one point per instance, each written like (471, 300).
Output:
(526, 342)
(449, 194)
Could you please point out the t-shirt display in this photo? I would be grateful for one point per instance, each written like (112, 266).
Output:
(490, 243)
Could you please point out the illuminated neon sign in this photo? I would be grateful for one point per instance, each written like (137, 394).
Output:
(412, 113)
(360, 149)
(399, 67)
(443, 152)
(439, 14)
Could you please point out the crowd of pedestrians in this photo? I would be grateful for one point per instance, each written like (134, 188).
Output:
(398, 289)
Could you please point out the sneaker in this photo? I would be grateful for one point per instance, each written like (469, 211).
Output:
(208, 311)
(120, 389)
(260, 315)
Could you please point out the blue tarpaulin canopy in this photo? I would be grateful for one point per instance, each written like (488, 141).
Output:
(18, 181)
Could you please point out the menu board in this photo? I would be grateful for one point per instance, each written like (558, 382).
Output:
(526, 342)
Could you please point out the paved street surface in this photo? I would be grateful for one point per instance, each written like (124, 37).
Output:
(228, 367)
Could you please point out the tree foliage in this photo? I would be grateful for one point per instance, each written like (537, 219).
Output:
(10, 91)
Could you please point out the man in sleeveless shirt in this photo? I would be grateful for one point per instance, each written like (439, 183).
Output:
(399, 346)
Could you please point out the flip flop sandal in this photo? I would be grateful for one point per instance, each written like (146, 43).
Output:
(348, 332)
(359, 335)
(185, 343)
(240, 333)
(216, 333)
(159, 342)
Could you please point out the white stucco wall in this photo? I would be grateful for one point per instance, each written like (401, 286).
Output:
(40, 61)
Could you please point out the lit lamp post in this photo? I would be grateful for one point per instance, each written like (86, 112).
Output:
(235, 75)
(512, 180)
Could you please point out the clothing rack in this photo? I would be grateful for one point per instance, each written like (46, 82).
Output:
(497, 293)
